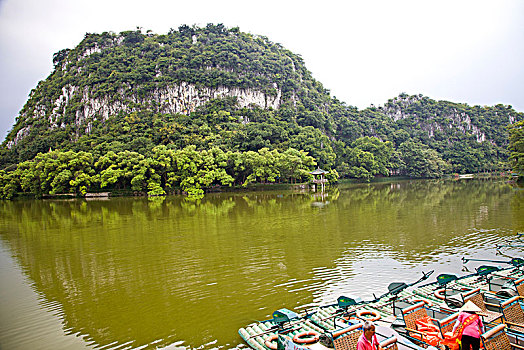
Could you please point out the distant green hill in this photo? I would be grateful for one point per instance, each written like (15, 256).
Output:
(217, 87)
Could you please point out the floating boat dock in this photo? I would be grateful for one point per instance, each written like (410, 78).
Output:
(395, 314)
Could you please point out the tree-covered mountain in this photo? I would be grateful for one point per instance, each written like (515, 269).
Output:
(219, 88)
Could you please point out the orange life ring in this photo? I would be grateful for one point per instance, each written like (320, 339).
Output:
(307, 337)
(270, 342)
(427, 302)
(440, 294)
(362, 313)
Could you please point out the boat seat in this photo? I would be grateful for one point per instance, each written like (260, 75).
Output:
(478, 299)
(411, 315)
(519, 286)
(497, 339)
(347, 339)
(513, 314)
(446, 325)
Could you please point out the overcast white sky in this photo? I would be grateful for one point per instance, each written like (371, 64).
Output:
(364, 52)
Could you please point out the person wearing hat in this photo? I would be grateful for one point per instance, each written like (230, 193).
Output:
(469, 326)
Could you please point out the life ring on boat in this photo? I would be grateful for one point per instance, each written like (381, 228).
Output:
(427, 302)
(440, 294)
(270, 342)
(375, 315)
(307, 337)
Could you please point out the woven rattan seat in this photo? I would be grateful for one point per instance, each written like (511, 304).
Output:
(411, 314)
(513, 314)
(478, 299)
(496, 339)
(410, 318)
(347, 340)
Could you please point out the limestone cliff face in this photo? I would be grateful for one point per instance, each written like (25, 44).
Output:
(21, 134)
(404, 107)
(181, 98)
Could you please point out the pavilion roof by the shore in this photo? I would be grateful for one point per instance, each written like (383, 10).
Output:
(318, 171)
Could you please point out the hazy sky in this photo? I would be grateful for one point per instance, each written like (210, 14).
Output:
(364, 52)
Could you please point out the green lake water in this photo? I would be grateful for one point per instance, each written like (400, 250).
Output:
(175, 273)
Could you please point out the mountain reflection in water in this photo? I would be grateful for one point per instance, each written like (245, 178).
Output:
(133, 272)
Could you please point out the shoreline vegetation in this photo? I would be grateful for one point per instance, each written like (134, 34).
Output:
(253, 187)
(166, 171)
(192, 172)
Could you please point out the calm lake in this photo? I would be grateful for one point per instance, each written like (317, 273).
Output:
(176, 273)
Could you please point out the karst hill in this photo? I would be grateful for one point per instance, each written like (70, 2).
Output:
(214, 87)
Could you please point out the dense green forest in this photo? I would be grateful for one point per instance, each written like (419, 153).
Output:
(516, 147)
(225, 97)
